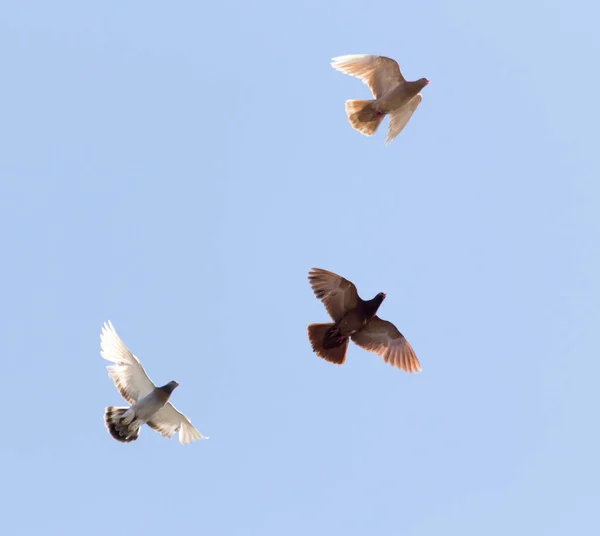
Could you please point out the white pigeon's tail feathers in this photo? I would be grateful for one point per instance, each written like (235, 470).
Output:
(363, 117)
(118, 427)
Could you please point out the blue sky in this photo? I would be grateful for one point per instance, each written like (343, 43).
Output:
(179, 168)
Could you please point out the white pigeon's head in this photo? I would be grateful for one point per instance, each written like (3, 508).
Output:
(170, 387)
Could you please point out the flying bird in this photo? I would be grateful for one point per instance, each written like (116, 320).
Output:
(355, 319)
(393, 94)
(149, 404)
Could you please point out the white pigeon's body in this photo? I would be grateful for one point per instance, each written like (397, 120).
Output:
(393, 94)
(149, 404)
(145, 408)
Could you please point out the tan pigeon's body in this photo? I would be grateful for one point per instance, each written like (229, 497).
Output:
(394, 96)
(397, 97)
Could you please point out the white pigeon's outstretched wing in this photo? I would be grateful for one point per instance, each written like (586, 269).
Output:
(168, 420)
(128, 374)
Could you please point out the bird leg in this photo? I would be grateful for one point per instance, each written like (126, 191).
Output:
(337, 334)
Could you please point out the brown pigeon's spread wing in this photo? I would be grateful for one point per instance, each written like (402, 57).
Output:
(128, 374)
(399, 118)
(382, 338)
(380, 73)
(168, 420)
(338, 294)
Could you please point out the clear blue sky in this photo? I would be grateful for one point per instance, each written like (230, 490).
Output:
(178, 168)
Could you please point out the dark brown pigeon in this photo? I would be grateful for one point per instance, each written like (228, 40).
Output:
(355, 319)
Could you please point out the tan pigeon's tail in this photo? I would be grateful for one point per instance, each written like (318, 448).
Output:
(125, 433)
(327, 344)
(363, 117)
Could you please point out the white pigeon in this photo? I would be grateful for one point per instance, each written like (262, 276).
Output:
(393, 94)
(149, 404)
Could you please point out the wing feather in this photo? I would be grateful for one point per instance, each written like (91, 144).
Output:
(399, 118)
(169, 420)
(379, 72)
(337, 294)
(128, 374)
(383, 338)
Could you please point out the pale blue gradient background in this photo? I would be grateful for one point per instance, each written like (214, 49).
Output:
(177, 168)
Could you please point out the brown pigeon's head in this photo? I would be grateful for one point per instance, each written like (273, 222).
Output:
(371, 306)
(424, 81)
(378, 300)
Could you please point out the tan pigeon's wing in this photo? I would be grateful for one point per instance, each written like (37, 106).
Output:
(384, 339)
(167, 420)
(128, 374)
(338, 294)
(380, 73)
(399, 118)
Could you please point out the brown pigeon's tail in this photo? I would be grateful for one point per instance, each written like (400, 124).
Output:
(363, 117)
(326, 344)
(125, 433)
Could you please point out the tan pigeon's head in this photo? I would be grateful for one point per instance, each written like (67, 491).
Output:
(418, 85)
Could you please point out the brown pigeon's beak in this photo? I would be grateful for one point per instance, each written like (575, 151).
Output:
(384, 295)
(177, 384)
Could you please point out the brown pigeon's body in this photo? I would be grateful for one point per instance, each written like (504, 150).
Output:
(393, 94)
(355, 319)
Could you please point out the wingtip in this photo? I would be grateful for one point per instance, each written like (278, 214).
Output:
(340, 60)
(312, 272)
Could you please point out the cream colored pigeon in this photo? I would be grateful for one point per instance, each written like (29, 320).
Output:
(393, 94)
(149, 404)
